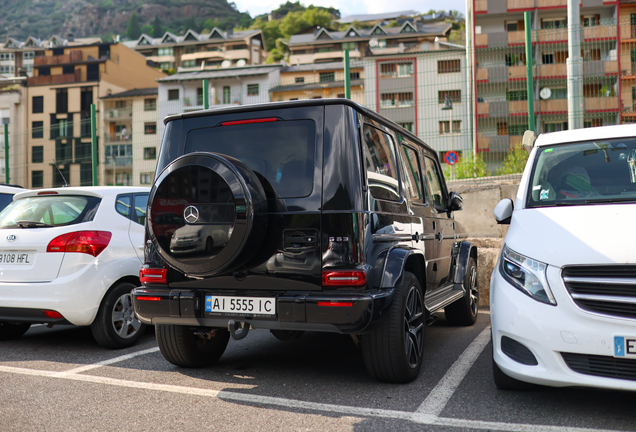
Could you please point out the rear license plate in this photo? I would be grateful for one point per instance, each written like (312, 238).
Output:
(241, 305)
(625, 346)
(16, 258)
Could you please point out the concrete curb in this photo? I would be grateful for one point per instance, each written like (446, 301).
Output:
(487, 254)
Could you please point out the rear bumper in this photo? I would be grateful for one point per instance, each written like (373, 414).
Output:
(295, 311)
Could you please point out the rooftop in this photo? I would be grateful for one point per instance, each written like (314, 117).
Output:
(132, 93)
(376, 17)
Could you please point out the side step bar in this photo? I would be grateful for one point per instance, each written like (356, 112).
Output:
(444, 296)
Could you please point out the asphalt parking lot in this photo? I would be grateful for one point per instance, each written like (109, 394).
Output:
(60, 379)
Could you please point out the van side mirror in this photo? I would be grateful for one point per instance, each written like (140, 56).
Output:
(503, 211)
(456, 202)
(527, 142)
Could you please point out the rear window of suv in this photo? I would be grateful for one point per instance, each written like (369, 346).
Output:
(281, 151)
(49, 210)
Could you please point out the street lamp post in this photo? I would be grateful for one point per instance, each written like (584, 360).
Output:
(448, 105)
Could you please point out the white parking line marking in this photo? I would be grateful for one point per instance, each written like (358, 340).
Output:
(424, 419)
(443, 391)
(109, 361)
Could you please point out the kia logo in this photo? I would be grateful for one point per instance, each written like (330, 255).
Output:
(11, 237)
(191, 214)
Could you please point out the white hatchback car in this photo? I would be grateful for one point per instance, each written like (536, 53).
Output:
(71, 256)
(563, 293)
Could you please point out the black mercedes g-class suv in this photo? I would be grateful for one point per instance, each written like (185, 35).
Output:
(315, 215)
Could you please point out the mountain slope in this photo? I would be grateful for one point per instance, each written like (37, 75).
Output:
(43, 18)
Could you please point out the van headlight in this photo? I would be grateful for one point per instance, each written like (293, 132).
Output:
(525, 274)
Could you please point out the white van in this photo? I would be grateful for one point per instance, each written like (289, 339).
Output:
(563, 292)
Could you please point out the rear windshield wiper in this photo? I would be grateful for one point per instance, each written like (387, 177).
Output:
(31, 224)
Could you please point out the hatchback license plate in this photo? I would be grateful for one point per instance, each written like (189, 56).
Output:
(625, 346)
(16, 258)
(241, 305)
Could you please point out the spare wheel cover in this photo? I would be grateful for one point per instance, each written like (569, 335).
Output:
(203, 210)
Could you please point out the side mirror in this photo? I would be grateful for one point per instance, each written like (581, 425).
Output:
(503, 211)
(455, 202)
(527, 142)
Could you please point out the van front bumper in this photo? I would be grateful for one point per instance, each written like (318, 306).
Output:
(294, 310)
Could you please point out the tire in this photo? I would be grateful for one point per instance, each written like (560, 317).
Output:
(181, 347)
(505, 382)
(9, 331)
(464, 311)
(116, 325)
(393, 352)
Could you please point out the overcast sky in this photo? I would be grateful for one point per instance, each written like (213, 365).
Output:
(355, 7)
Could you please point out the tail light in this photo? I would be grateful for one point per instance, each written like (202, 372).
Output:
(344, 278)
(240, 122)
(153, 275)
(52, 314)
(88, 242)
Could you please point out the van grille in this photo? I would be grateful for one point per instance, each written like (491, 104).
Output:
(607, 290)
(603, 366)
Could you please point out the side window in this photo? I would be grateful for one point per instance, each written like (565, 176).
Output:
(411, 178)
(433, 180)
(140, 204)
(379, 160)
(122, 205)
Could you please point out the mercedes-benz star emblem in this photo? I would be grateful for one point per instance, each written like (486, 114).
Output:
(11, 237)
(191, 214)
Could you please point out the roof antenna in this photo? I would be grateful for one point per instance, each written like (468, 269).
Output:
(58, 170)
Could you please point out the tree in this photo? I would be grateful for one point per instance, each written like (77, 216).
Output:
(133, 32)
(191, 24)
(514, 162)
(157, 27)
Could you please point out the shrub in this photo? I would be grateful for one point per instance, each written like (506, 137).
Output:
(514, 162)
(469, 166)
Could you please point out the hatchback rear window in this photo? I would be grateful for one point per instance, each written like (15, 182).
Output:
(49, 210)
(281, 151)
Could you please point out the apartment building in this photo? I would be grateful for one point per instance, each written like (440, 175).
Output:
(627, 60)
(194, 51)
(423, 92)
(12, 111)
(321, 45)
(66, 81)
(318, 81)
(131, 142)
(500, 68)
(183, 92)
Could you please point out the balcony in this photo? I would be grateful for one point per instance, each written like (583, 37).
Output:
(601, 104)
(552, 70)
(551, 3)
(74, 56)
(119, 114)
(502, 108)
(516, 37)
(595, 68)
(551, 35)
(239, 54)
(56, 79)
(481, 39)
(600, 32)
(118, 161)
(321, 57)
(520, 4)
(628, 31)
(204, 55)
(481, 5)
(117, 138)
(553, 105)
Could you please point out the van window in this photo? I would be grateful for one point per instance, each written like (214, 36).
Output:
(281, 151)
(411, 179)
(582, 173)
(378, 152)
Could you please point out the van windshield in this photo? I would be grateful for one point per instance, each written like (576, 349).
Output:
(582, 173)
(281, 151)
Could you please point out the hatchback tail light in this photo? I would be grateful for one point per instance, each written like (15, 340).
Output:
(88, 242)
